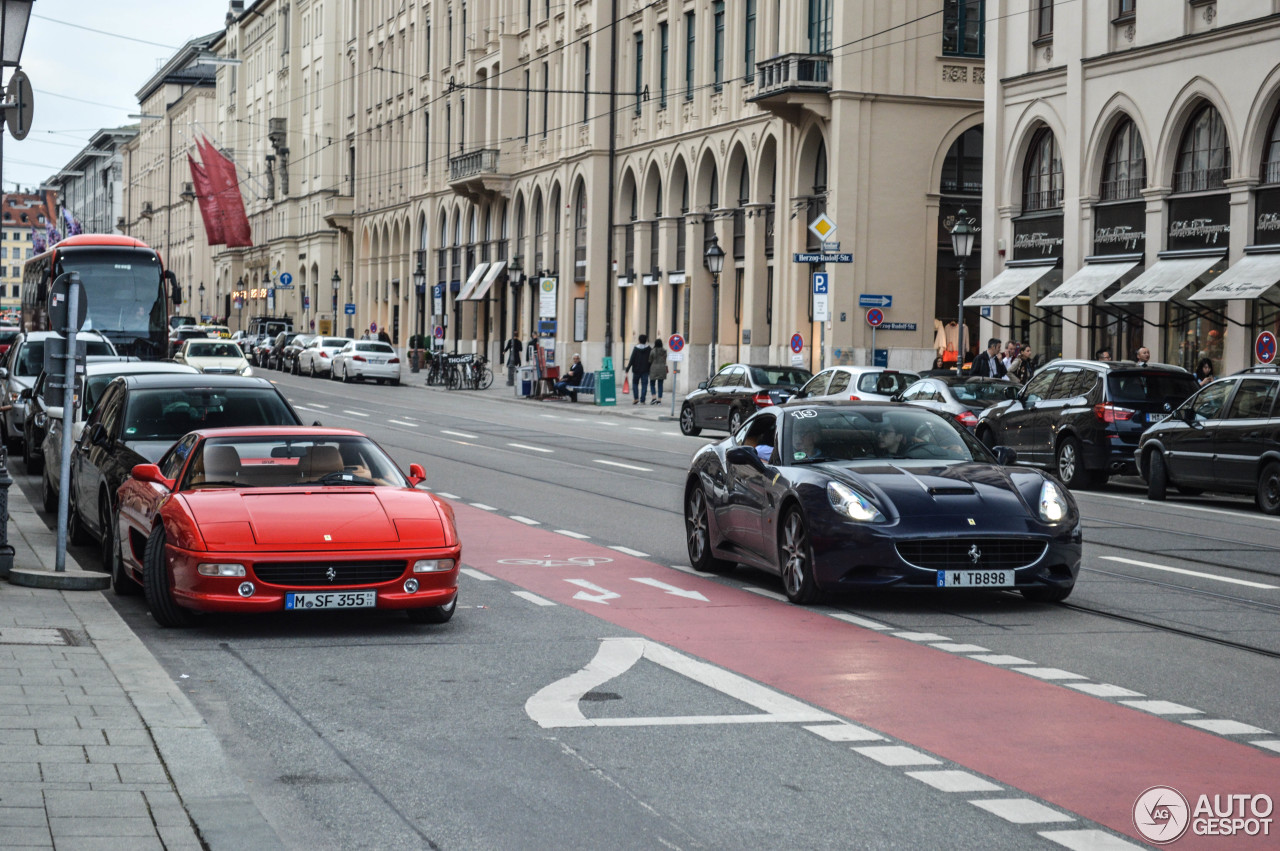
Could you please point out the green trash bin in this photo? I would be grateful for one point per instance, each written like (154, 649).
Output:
(606, 387)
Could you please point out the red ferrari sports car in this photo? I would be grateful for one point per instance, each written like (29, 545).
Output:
(283, 518)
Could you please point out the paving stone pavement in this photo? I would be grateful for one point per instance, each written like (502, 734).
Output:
(99, 748)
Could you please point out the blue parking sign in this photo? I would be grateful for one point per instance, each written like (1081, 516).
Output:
(821, 281)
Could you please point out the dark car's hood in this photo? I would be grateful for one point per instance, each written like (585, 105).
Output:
(970, 489)
(152, 450)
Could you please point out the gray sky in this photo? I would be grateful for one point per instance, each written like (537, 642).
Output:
(103, 73)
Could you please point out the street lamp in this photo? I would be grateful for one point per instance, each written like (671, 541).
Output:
(13, 30)
(337, 282)
(515, 277)
(962, 235)
(715, 265)
(241, 293)
(420, 287)
(201, 291)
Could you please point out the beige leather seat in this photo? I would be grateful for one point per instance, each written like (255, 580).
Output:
(221, 464)
(320, 461)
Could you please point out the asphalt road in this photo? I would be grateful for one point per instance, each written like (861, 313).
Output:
(362, 731)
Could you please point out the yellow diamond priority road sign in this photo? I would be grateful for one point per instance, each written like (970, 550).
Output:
(822, 227)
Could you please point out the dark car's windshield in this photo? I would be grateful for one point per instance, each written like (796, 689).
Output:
(1150, 387)
(169, 413)
(876, 434)
(300, 459)
(768, 376)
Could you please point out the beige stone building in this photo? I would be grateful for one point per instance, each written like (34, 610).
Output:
(21, 216)
(1133, 174)
(157, 198)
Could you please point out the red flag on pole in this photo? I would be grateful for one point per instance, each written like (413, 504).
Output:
(209, 211)
(226, 189)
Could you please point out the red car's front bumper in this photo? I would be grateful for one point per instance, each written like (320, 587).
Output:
(194, 590)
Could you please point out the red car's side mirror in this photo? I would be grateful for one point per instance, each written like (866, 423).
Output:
(417, 475)
(151, 473)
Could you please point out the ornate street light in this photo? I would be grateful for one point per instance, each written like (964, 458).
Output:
(337, 282)
(201, 291)
(13, 30)
(515, 277)
(962, 236)
(715, 265)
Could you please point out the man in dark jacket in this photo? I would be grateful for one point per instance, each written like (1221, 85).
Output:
(988, 363)
(511, 357)
(572, 380)
(638, 366)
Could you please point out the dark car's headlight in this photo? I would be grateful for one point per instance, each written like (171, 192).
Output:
(1053, 503)
(852, 504)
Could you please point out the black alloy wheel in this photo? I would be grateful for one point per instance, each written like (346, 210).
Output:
(433, 614)
(158, 584)
(1157, 477)
(122, 583)
(76, 533)
(987, 437)
(735, 420)
(697, 526)
(687, 427)
(293, 368)
(106, 534)
(796, 554)
(1070, 465)
(1268, 496)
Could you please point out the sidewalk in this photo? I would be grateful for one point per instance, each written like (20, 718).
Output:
(99, 748)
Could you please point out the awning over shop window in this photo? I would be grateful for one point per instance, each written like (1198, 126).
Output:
(1164, 280)
(472, 282)
(1083, 286)
(1250, 278)
(1008, 285)
(482, 290)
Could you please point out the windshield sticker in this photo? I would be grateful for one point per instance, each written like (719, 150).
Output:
(799, 456)
(804, 415)
(131, 430)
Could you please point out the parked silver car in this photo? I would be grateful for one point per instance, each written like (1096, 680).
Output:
(961, 396)
(854, 384)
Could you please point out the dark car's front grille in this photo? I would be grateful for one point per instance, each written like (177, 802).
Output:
(959, 553)
(318, 572)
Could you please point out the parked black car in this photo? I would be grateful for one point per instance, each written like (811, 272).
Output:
(137, 419)
(1224, 438)
(852, 496)
(273, 356)
(289, 355)
(1082, 419)
(736, 392)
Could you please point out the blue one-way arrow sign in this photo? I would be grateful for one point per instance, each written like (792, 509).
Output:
(865, 300)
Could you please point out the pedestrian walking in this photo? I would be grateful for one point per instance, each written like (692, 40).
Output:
(384, 337)
(988, 363)
(511, 357)
(638, 366)
(657, 369)
(1021, 369)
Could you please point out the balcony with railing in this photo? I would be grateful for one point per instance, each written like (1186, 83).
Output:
(477, 173)
(794, 80)
(1200, 179)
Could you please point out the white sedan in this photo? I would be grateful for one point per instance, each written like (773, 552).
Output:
(214, 357)
(361, 359)
(855, 383)
(317, 357)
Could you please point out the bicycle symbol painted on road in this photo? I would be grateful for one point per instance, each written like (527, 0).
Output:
(575, 561)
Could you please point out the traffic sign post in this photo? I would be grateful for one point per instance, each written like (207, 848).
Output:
(875, 318)
(797, 346)
(675, 353)
(69, 291)
(1264, 348)
(349, 309)
(869, 300)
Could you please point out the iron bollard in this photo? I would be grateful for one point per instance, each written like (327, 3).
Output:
(6, 550)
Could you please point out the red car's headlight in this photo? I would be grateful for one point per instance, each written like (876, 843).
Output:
(433, 565)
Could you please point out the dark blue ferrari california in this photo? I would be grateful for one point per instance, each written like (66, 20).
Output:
(844, 497)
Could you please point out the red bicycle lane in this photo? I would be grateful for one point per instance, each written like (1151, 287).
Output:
(1079, 752)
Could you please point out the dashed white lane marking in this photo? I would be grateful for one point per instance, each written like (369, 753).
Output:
(1271, 745)
(607, 423)
(550, 416)
(960, 648)
(1166, 507)
(483, 507)
(1088, 840)
(1021, 810)
(1186, 572)
(578, 535)
(448, 495)
(921, 636)
(318, 405)
(1000, 659)
(640, 428)
(403, 423)
(475, 574)
(772, 595)
(1050, 673)
(1103, 690)
(954, 781)
(844, 733)
(354, 413)
(459, 434)
(1226, 727)
(1161, 707)
(895, 755)
(533, 598)
(629, 551)
(857, 621)
(525, 520)
(530, 448)
(623, 466)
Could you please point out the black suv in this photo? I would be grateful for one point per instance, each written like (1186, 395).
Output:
(1224, 438)
(1082, 418)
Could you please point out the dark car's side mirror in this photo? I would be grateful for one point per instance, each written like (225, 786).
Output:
(896, 397)
(98, 434)
(744, 456)
(1012, 392)
(702, 385)
(1006, 456)
(175, 291)
(4, 373)
(417, 475)
(151, 473)
(316, 423)
(24, 394)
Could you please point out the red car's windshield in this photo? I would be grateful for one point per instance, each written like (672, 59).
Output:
(280, 461)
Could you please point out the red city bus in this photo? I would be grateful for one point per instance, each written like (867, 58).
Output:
(125, 284)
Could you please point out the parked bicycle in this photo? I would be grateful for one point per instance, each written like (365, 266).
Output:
(464, 372)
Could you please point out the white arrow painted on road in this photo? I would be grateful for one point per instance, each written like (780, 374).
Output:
(602, 595)
(670, 589)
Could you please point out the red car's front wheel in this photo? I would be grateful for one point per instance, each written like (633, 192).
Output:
(158, 584)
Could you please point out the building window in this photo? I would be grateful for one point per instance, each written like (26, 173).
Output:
(448, 37)
(1271, 153)
(639, 70)
(426, 142)
(1204, 160)
(546, 97)
(1042, 185)
(526, 106)
(586, 82)
(1124, 170)
(555, 229)
(1044, 19)
(663, 50)
(749, 41)
(717, 15)
(740, 215)
(580, 234)
(820, 26)
(713, 203)
(962, 168)
(539, 233)
(962, 27)
(1126, 9)
(682, 231)
(689, 53)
